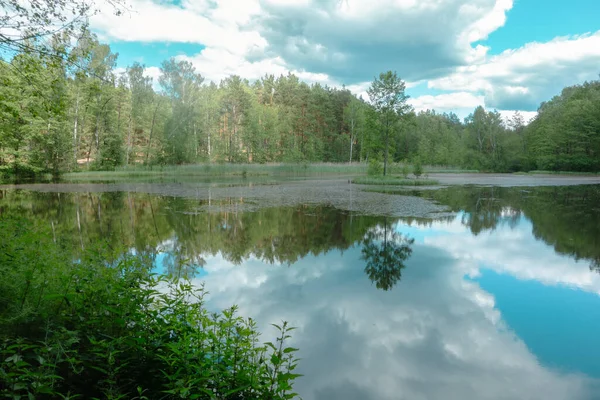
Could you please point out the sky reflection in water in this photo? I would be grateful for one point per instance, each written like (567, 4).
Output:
(494, 315)
(500, 301)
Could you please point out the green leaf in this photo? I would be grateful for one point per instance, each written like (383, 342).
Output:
(289, 350)
(271, 345)
(15, 358)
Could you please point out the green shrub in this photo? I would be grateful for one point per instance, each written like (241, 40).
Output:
(97, 328)
(375, 167)
(417, 168)
(405, 170)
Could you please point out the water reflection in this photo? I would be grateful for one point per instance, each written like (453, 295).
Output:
(566, 218)
(495, 302)
(385, 251)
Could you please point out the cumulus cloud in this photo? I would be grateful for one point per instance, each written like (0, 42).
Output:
(335, 42)
(351, 39)
(347, 41)
(447, 102)
(521, 79)
(528, 116)
(213, 25)
(149, 72)
(462, 104)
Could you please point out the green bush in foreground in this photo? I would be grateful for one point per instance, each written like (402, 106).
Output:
(93, 329)
(390, 180)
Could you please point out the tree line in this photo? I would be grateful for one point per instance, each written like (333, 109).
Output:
(66, 106)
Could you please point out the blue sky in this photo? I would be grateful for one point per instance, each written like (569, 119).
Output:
(560, 338)
(151, 54)
(543, 20)
(454, 54)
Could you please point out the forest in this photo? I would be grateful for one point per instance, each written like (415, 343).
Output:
(65, 106)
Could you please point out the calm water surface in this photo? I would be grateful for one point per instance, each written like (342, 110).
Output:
(499, 301)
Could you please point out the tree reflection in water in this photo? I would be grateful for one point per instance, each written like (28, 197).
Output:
(385, 252)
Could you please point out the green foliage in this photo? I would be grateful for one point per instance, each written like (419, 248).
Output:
(565, 135)
(405, 170)
(417, 168)
(96, 328)
(375, 167)
(63, 107)
(33, 112)
(387, 94)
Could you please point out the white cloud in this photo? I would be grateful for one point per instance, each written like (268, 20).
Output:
(351, 39)
(527, 115)
(348, 42)
(523, 78)
(484, 24)
(218, 63)
(447, 102)
(462, 104)
(191, 22)
(150, 72)
(154, 73)
(338, 39)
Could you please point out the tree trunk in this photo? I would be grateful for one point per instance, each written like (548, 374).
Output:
(75, 127)
(209, 158)
(351, 138)
(128, 141)
(96, 130)
(480, 140)
(151, 131)
(362, 144)
(208, 129)
(96, 136)
(195, 142)
(387, 137)
(232, 136)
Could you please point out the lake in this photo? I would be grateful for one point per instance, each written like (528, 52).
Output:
(496, 298)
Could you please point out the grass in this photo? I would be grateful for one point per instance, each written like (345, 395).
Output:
(222, 170)
(243, 170)
(393, 181)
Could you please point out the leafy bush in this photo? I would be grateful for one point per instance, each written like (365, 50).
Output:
(417, 168)
(405, 170)
(375, 167)
(113, 330)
